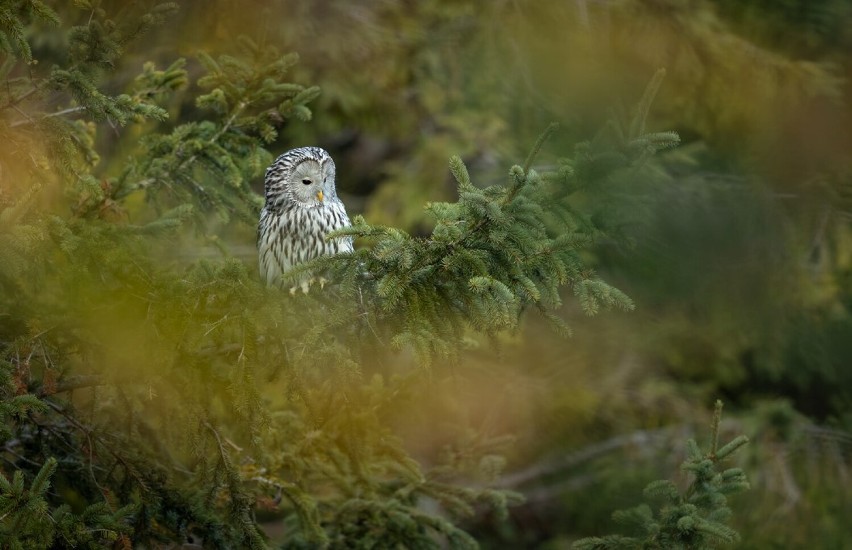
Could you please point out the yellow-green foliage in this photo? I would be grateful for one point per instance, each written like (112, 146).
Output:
(184, 400)
(171, 400)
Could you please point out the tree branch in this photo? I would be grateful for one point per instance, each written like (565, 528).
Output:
(50, 115)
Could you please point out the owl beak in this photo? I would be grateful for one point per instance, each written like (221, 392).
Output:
(319, 196)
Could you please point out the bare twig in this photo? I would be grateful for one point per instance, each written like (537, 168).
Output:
(72, 383)
(30, 120)
(641, 438)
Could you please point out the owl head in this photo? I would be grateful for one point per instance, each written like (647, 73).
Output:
(303, 177)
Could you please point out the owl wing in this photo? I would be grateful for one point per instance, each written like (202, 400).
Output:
(273, 245)
(337, 219)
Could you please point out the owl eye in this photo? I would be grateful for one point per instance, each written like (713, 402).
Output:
(306, 181)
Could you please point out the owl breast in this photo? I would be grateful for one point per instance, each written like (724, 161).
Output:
(292, 234)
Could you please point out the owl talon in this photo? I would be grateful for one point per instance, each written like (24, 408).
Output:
(322, 282)
(305, 285)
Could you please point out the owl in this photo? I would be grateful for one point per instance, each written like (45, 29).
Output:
(301, 208)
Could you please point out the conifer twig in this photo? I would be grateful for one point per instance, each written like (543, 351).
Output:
(539, 143)
(520, 179)
(714, 429)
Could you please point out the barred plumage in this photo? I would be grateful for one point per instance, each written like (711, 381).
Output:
(301, 208)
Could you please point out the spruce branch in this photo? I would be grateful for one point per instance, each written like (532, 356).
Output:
(14, 15)
(694, 518)
(210, 163)
(492, 253)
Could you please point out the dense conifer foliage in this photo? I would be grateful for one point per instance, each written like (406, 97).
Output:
(153, 393)
(136, 398)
